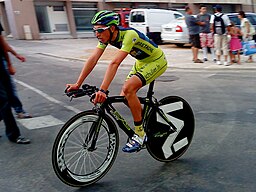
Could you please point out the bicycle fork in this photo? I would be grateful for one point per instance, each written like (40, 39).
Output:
(94, 132)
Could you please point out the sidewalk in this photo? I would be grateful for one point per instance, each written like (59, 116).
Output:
(80, 49)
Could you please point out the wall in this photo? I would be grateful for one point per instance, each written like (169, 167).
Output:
(20, 13)
(4, 20)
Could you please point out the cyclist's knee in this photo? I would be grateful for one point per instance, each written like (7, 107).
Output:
(132, 85)
(127, 90)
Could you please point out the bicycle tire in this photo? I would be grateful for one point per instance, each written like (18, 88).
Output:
(70, 165)
(166, 145)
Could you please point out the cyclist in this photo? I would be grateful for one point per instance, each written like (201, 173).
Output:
(150, 64)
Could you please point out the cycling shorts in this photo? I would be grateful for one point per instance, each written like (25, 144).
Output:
(149, 71)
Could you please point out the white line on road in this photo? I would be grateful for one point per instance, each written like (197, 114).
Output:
(40, 122)
(48, 97)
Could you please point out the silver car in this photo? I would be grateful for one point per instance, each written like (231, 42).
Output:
(177, 33)
(250, 16)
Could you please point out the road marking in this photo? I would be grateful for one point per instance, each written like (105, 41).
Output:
(40, 122)
(48, 97)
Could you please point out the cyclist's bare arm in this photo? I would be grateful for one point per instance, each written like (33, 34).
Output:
(112, 68)
(109, 75)
(88, 67)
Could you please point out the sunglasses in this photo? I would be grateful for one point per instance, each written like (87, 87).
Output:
(100, 30)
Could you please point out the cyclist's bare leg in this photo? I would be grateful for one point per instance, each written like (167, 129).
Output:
(129, 90)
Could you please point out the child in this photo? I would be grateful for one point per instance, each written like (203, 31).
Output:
(235, 44)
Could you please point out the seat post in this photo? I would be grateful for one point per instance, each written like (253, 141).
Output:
(150, 89)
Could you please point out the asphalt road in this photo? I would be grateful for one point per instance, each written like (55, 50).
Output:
(221, 157)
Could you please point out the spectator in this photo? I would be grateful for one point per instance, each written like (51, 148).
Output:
(206, 36)
(220, 24)
(15, 101)
(193, 30)
(235, 44)
(12, 130)
(247, 34)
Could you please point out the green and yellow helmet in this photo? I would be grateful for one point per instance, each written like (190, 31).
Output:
(105, 17)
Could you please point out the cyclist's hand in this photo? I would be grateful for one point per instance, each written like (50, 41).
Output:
(100, 97)
(70, 87)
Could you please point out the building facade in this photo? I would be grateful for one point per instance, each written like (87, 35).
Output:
(39, 19)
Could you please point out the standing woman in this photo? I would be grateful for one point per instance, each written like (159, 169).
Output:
(245, 29)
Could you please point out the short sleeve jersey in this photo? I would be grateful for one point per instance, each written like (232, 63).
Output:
(224, 17)
(206, 19)
(193, 27)
(136, 44)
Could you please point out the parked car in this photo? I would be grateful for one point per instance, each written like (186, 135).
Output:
(176, 32)
(149, 21)
(250, 16)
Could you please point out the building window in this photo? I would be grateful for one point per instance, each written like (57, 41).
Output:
(51, 17)
(83, 14)
(58, 8)
(43, 19)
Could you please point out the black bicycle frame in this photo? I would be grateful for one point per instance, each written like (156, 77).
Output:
(146, 101)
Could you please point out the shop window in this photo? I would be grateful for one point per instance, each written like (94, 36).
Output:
(58, 8)
(83, 14)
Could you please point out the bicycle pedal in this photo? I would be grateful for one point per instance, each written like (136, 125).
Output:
(140, 149)
(143, 147)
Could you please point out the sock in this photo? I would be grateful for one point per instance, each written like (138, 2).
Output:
(205, 52)
(139, 129)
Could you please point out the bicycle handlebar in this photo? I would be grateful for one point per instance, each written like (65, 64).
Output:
(86, 90)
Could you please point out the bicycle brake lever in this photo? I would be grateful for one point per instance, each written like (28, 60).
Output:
(92, 97)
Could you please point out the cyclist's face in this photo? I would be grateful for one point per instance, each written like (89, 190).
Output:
(102, 33)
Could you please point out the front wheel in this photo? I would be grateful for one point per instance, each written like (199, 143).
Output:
(76, 158)
(164, 144)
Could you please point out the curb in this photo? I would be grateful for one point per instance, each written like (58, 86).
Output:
(211, 67)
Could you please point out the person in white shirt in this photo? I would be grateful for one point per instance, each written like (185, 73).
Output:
(220, 30)
(246, 30)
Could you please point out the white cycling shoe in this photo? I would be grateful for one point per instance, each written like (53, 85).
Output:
(135, 144)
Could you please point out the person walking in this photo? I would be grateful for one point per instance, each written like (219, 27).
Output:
(220, 25)
(12, 130)
(206, 36)
(193, 30)
(247, 30)
(15, 101)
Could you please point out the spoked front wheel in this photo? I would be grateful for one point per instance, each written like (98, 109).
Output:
(76, 159)
(163, 143)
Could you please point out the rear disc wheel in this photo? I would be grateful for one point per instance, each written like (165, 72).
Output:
(164, 144)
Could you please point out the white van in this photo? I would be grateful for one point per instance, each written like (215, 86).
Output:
(149, 21)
